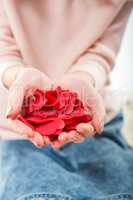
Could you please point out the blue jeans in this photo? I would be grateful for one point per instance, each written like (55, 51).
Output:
(101, 168)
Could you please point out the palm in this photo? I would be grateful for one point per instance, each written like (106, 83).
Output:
(93, 104)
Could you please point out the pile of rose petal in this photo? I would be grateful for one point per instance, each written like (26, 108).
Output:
(51, 112)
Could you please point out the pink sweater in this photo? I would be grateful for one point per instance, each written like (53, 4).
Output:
(58, 36)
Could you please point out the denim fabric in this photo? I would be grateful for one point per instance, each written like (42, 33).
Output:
(101, 168)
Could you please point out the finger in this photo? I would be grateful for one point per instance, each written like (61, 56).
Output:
(98, 123)
(38, 140)
(15, 101)
(85, 129)
(66, 137)
(63, 137)
(95, 103)
(75, 137)
(56, 144)
(46, 140)
(20, 128)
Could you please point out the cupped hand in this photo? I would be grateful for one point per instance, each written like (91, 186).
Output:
(84, 85)
(27, 80)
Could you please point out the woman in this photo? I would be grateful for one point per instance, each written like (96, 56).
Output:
(72, 44)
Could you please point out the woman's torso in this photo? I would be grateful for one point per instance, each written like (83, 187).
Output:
(51, 35)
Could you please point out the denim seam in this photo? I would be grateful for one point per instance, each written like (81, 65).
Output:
(118, 197)
(42, 195)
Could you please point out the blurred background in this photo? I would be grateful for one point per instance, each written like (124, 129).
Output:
(122, 80)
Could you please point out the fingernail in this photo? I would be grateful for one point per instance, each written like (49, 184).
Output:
(30, 134)
(8, 116)
(38, 140)
(56, 147)
(9, 113)
(79, 128)
(101, 128)
(37, 145)
(102, 125)
(46, 140)
(61, 138)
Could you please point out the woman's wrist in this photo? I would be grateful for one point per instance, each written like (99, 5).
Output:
(83, 76)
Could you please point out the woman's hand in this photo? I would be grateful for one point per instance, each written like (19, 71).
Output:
(83, 84)
(26, 80)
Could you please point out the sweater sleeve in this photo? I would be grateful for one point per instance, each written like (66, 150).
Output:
(99, 60)
(10, 54)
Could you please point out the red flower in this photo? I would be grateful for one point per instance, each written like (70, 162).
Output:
(52, 111)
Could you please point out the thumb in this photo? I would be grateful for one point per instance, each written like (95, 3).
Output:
(15, 100)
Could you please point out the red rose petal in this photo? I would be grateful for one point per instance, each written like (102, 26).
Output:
(35, 102)
(50, 126)
(87, 118)
(22, 119)
(52, 111)
(53, 137)
(36, 120)
(52, 99)
(44, 114)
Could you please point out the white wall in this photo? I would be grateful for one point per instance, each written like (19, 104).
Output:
(122, 76)
(122, 81)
